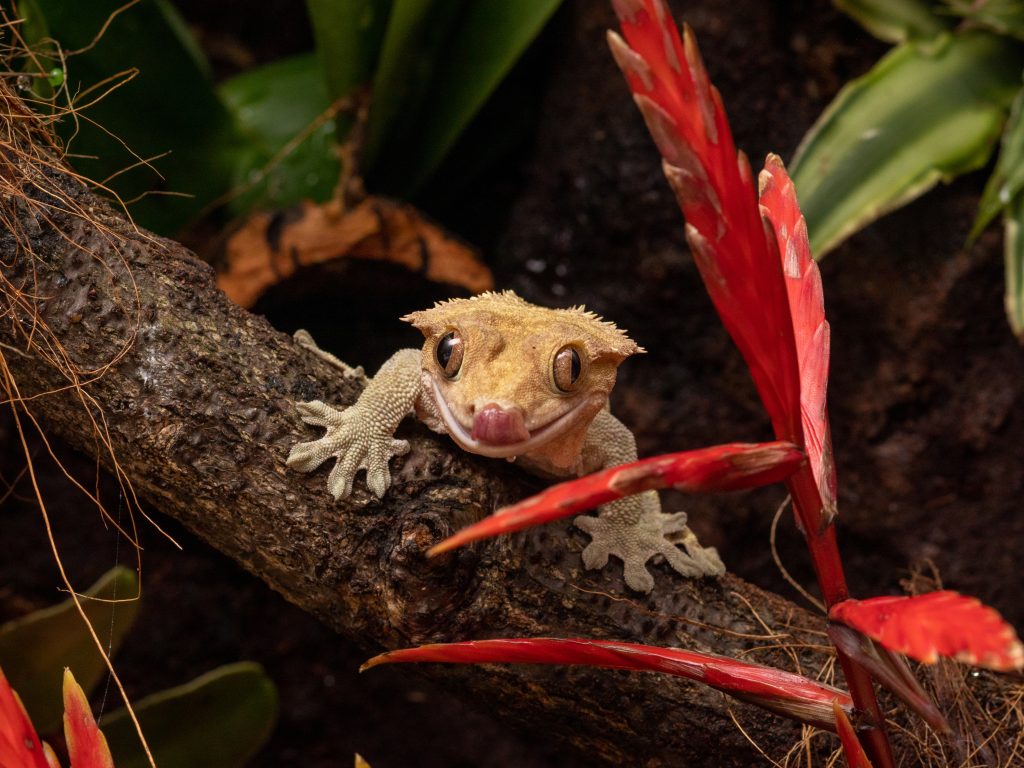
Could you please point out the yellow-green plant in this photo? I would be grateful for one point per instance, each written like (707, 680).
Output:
(931, 109)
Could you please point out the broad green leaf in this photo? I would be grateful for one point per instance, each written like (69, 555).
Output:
(487, 39)
(1013, 219)
(416, 35)
(925, 113)
(1003, 16)
(218, 720)
(169, 106)
(287, 158)
(348, 37)
(1007, 179)
(895, 21)
(35, 649)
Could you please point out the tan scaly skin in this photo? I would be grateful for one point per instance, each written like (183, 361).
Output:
(508, 379)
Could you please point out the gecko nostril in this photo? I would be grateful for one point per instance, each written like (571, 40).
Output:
(472, 408)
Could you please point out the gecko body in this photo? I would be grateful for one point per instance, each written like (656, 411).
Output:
(508, 379)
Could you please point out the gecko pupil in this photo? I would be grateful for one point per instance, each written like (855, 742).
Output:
(567, 369)
(449, 353)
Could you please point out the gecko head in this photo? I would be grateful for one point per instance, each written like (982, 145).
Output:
(509, 378)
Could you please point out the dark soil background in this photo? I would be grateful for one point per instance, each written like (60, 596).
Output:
(926, 376)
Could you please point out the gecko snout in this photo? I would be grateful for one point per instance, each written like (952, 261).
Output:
(495, 425)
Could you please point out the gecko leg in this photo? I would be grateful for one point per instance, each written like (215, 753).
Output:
(361, 437)
(634, 529)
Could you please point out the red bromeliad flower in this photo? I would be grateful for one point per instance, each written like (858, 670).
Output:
(756, 266)
(20, 746)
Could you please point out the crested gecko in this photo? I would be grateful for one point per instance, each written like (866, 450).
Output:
(508, 379)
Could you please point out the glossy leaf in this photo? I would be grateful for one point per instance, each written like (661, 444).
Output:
(87, 747)
(720, 468)
(1007, 179)
(925, 113)
(36, 648)
(715, 191)
(944, 623)
(855, 755)
(169, 107)
(273, 106)
(1003, 16)
(784, 693)
(417, 33)
(810, 328)
(348, 37)
(1014, 256)
(485, 41)
(20, 746)
(218, 720)
(895, 21)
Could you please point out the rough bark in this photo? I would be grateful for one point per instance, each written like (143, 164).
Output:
(196, 395)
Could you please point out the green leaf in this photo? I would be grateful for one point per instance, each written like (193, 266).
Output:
(487, 38)
(218, 720)
(40, 62)
(1003, 16)
(35, 648)
(348, 37)
(1013, 244)
(275, 106)
(925, 113)
(170, 106)
(895, 21)
(416, 35)
(1007, 179)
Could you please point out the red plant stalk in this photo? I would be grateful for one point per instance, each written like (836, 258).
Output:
(730, 467)
(785, 693)
(755, 263)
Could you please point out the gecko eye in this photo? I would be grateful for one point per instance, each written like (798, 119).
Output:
(567, 368)
(449, 353)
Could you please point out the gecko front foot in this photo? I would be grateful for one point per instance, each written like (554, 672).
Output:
(637, 542)
(352, 439)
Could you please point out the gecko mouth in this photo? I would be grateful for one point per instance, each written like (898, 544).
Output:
(538, 437)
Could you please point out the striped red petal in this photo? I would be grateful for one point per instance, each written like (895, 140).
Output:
(944, 623)
(810, 328)
(715, 190)
(729, 467)
(20, 746)
(784, 693)
(87, 746)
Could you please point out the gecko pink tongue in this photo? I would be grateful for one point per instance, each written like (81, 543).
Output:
(496, 426)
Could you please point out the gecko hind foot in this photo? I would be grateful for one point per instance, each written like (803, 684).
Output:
(635, 544)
